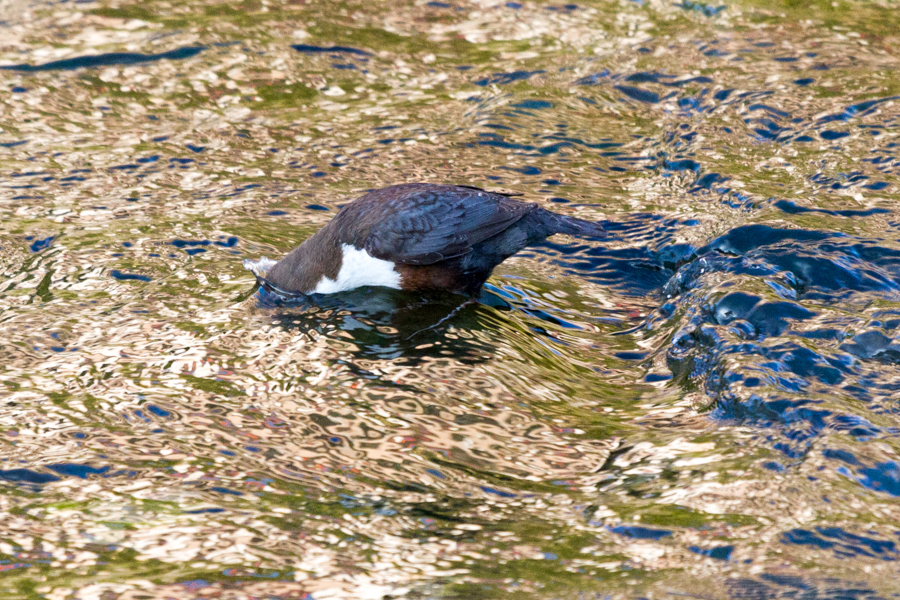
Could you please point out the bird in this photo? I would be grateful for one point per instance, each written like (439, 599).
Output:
(418, 237)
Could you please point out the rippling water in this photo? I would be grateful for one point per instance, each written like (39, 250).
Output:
(702, 405)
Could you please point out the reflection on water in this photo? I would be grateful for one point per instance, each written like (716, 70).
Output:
(702, 404)
(386, 324)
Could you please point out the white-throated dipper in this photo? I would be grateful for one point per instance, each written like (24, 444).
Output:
(417, 237)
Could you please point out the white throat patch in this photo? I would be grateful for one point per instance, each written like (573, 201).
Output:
(358, 269)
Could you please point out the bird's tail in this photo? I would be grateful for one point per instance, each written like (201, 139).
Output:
(558, 223)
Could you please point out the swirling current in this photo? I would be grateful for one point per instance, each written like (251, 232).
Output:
(701, 405)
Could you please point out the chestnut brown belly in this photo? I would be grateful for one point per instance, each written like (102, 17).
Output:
(441, 276)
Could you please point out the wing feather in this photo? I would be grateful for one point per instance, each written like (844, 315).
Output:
(421, 224)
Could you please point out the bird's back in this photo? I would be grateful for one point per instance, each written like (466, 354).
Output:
(418, 236)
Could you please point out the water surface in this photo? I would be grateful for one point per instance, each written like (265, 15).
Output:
(701, 405)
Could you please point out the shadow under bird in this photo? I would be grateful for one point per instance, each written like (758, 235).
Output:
(416, 237)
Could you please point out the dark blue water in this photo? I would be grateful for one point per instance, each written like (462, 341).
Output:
(105, 60)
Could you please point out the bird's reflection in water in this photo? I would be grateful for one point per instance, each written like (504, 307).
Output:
(387, 324)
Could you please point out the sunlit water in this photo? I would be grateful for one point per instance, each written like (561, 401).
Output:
(701, 405)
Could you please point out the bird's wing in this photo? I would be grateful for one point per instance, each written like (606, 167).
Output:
(424, 224)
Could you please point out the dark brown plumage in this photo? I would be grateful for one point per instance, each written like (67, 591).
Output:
(419, 236)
